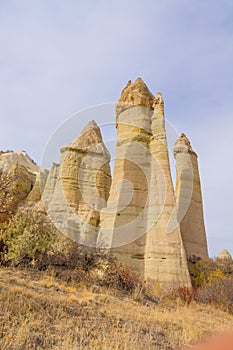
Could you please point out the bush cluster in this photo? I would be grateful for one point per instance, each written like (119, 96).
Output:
(212, 281)
(122, 278)
(25, 238)
(29, 240)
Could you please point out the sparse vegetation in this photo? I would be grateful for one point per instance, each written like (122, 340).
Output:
(42, 311)
(25, 239)
(213, 280)
(56, 294)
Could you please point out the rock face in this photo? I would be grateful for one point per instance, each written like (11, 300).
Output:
(135, 224)
(124, 220)
(38, 188)
(225, 255)
(50, 184)
(8, 159)
(165, 258)
(15, 185)
(189, 199)
(77, 190)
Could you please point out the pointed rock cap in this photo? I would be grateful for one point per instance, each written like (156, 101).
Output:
(183, 145)
(90, 140)
(158, 100)
(135, 94)
(158, 104)
(224, 254)
(92, 124)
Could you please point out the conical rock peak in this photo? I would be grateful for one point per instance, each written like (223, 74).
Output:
(87, 141)
(135, 94)
(183, 145)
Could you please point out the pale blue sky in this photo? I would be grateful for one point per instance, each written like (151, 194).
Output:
(58, 57)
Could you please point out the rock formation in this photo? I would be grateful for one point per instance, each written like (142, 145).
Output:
(225, 255)
(50, 184)
(124, 220)
(38, 188)
(165, 258)
(189, 199)
(136, 214)
(135, 224)
(8, 159)
(77, 190)
(15, 185)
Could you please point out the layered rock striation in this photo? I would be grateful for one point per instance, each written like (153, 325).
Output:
(78, 188)
(140, 223)
(165, 258)
(15, 186)
(189, 199)
(137, 214)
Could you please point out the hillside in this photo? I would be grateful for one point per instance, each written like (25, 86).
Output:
(41, 311)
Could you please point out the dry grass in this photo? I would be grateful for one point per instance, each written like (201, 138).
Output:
(40, 311)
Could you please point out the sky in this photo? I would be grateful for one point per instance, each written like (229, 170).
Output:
(61, 57)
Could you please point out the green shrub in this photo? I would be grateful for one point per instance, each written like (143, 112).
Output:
(25, 238)
(213, 281)
(204, 271)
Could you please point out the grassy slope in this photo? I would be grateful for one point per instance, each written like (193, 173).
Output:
(39, 311)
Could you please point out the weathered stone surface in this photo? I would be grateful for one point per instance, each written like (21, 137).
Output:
(141, 203)
(225, 255)
(15, 186)
(9, 159)
(136, 216)
(135, 94)
(38, 188)
(82, 186)
(124, 221)
(50, 185)
(165, 258)
(189, 199)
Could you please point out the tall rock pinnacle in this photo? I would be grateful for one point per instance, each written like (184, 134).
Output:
(189, 199)
(124, 221)
(142, 200)
(165, 257)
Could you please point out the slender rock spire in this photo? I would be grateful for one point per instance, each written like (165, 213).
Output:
(165, 258)
(189, 199)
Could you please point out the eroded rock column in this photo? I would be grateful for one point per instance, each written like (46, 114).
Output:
(124, 221)
(189, 199)
(165, 258)
(82, 186)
